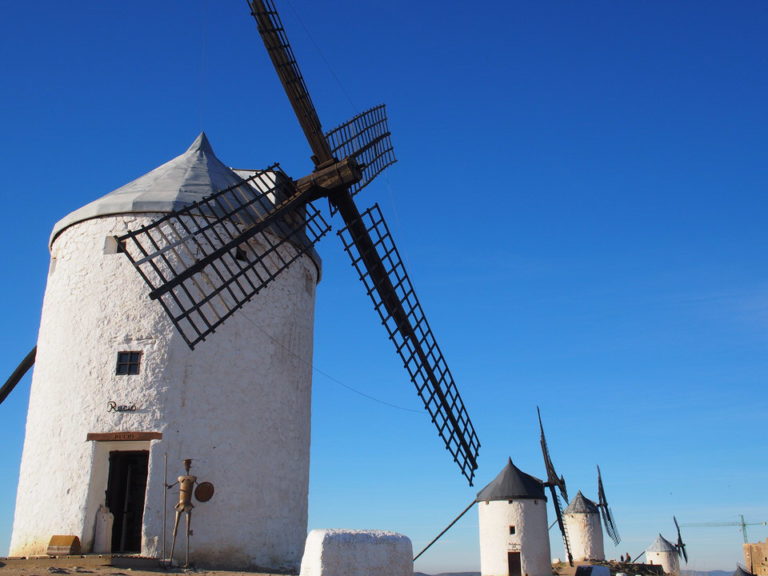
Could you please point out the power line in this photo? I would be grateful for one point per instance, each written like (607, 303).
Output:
(326, 374)
(322, 55)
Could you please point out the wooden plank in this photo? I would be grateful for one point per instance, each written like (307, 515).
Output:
(66, 545)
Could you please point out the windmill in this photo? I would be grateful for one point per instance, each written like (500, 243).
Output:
(512, 518)
(555, 483)
(605, 511)
(666, 553)
(267, 223)
(229, 256)
(584, 528)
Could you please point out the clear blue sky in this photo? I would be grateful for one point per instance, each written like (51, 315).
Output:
(580, 198)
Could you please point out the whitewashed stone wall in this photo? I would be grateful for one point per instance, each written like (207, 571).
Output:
(531, 537)
(238, 405)
(669, 561)
(357, 553)
(585, 536)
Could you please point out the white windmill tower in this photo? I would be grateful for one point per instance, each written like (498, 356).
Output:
(663, 553)
(668, 555)
(582, 523)
(514, 535)
(104, 345)
(213, 362)
(585, 533)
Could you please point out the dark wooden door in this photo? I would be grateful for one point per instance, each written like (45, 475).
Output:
(126, 487)
(515, 566)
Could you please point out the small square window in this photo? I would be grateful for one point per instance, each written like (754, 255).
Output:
(128, 363)
(511, 530)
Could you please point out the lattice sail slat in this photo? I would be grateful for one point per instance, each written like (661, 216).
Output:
(366, 138)
(398, 307)
(608, 520)
(280, 52)
(610, 526)
(558, 504)
(207, 260)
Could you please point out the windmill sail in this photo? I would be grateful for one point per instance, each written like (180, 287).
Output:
(379, 266)
(279, 49)
(364, 141)
(605, 512)
(18, 374)
(552, 477)
(680, 545)
(555, 483)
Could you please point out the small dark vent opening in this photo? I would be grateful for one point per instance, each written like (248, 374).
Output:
(113, 246)
(241, 254)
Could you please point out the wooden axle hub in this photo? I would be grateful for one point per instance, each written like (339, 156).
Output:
(325, 180)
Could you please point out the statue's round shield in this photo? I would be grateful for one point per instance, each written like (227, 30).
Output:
(204, 491)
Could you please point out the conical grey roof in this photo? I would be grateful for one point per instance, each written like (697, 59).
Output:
(185, 179)
(661, 544)
(581, 505)
(741, 572)
(512, 484)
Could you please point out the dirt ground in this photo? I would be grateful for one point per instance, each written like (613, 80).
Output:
(101, 566)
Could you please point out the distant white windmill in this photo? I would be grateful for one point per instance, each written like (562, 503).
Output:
(585, 530)
(514, 535)
(667, 554)
(512, 511)
(585, 533)
(662, 552)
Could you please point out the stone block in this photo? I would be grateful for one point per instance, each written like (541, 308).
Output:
(357, 553)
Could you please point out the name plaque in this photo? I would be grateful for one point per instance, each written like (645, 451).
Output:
(122, 436)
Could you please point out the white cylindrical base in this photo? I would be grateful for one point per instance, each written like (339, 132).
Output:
(669, 561)
(585, 536)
